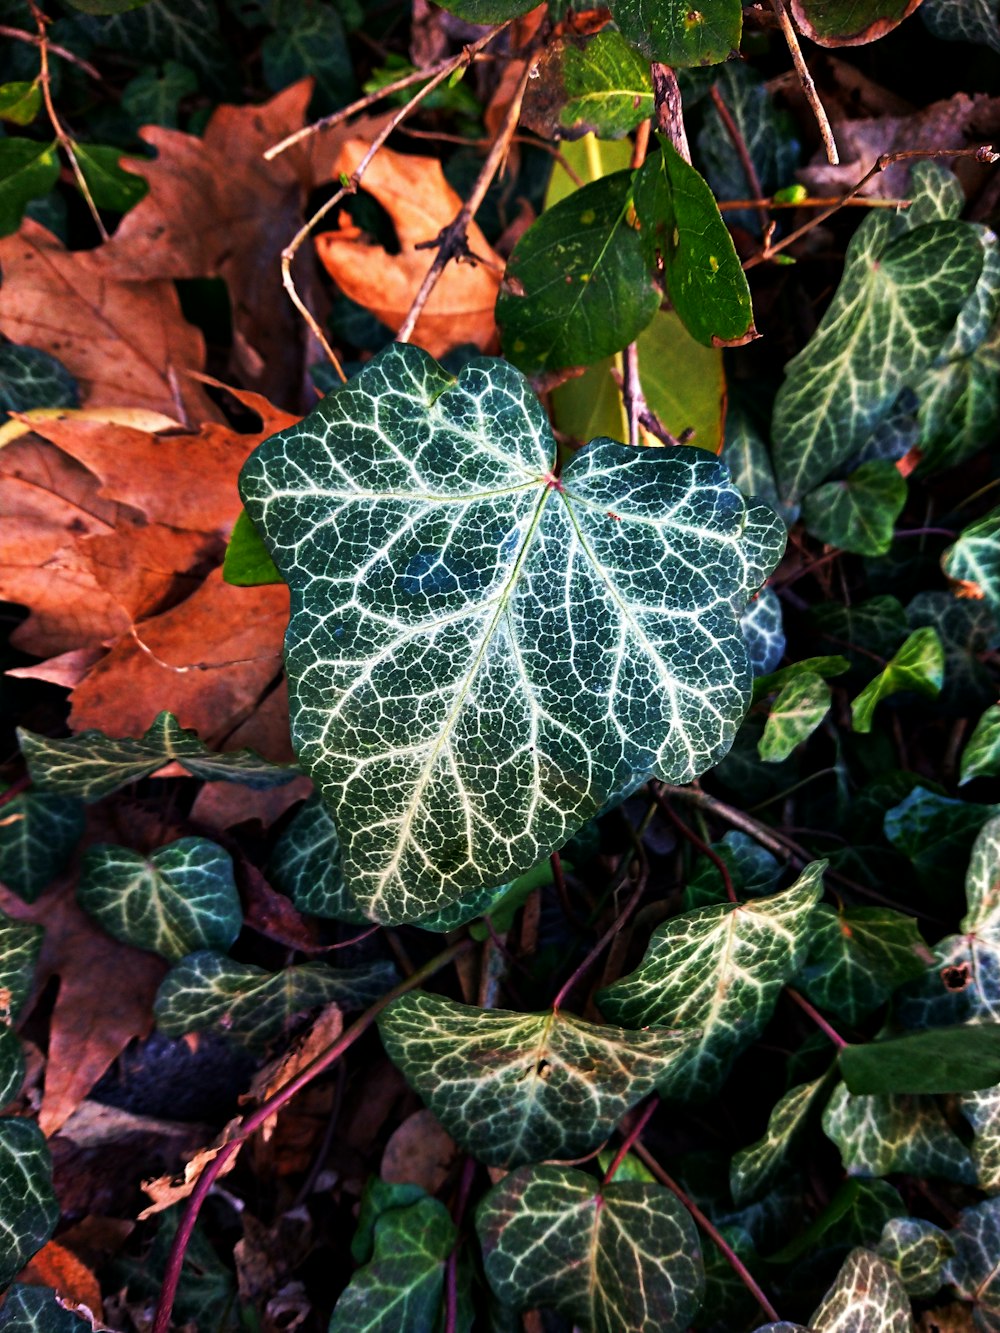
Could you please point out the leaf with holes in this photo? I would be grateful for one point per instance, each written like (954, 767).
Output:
(880, 1135)
(178, 900)
(672, 32)
(718, 970)
(800, 706)
(607, 1257)
(858, 956)
(512, 1088)
(973, 562)
(753, 1170)
(93, 765)
(918, 1251)
(859, 513)
(916, 666)
(28, 1208)
(974, 1271)
(597, 85)
(481, 656)
(207, 991)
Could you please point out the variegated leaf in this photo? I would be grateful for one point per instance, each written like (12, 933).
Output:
(38, 836)
(858, 956)
(973, 562)
(982, 1110)
(918, 1251)
(974, 1271)
(879, 1135)
(753, 1170)
(28, 1208)
(867, 1297)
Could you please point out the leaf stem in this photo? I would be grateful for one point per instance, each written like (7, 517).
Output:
(698, 842)
(451, 1268)
(601, 944)
(641, 1121)
(17, 35)
(817, 1018)
(710, 1230)
(253, 1121)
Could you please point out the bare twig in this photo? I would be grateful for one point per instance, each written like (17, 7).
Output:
(806, 79)
(730, 205)
(451, 1267)
(17, 35)
(669, 112)
(817, 1018)
(697, 842)
(746, 161)
(252, 1122)
(601, 944)
(452, 240)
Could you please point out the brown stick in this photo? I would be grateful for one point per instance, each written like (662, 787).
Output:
(669, 112)
(810, 201)
(16, 35)
(806, 79)
(743, 153)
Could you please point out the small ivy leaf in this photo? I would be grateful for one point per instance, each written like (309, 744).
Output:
(753, 870)
(881, 1135)
(973, 563)
(719, 970)
(577, 286)
(39, 1310)
(28, 169)
(966, 629)
(937, 1060)
(918, 1251)
(92, 765)
(20, 944)
(110, 185)
(31, 378)
(178, 900)
(834, 23)
(209, 991)
(867, 1297)
(918, 666)
(972, 21)
(907, 281)
(38, 836)
(858, 956)
(672, 32)
(20, 102)
(681, 224)
(378, 1198)
(247, 563)
(309, 41)
(801, 705)
(858, 514)
(594, 85)
(981, 756)
(11, 1065)
(153, 97)
(776, 681)
(936, 834)
(982, 1110)
(754, 1169)
(473, 646)
(763, 628)
(973, 1270)
(512, 1088)
(399, 1290)
(29, 1210)
(607, 1257)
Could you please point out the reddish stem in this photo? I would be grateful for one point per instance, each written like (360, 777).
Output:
(641, 1122)
(599, 947)
(451, 1269)
(252, 1122)
(701, 845)
(15, 789)
(817, 1018)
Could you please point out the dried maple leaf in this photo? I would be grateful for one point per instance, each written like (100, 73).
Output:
(420, 202)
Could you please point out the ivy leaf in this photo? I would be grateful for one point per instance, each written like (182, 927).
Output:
(880, 1135)
(12, 1066)
(918, 1251)
(800, 707)
(247, 563)
(973, 562)
(489, 637)
(20, 102)
(187, 31)
(308, 41)
(937, 1060)
(753, 870)
(607, 1257)
(936, 833)
(597, 86)
(834, 23)
(963, 21)
(681, 224)
(754, 1169)
(775, 681)
(966, 629)
(154, 95)
(858, 956)
(38, 836)
(512, 1088)
(981, 1108)
(399, 1290)
(577, 286)
(31, 378)
(718, 970)
(93, 765)
(488, 11)
(974, 1271)
(859, 513)
(28, 1207)
(867, 1297)
(110, 186)
(918, 665)
(38, 1310)
(675, 34)
(856, 1215)
(178, 900)
(981, 756)
(901, 290)
(763, 628)
(209, 991)
(20, 944)
(28, 169)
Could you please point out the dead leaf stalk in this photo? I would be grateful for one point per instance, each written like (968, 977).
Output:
(806, 79)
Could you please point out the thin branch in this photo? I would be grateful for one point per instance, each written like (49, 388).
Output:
(15, 789)
(710, 1230)
(730, 815)
(601, 944)
(451, 1267)
(817, 1018)
(16, 35)
(641, 1121)
(694, 839)
(810, 201)
(253, 1121)
(669, 112)
(746, 161)
(806, 80)
(452, 240)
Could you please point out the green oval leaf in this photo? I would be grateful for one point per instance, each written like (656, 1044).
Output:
(27, 170)
(673, 32)
(20, 102)
(592, 85)
(937, 1060)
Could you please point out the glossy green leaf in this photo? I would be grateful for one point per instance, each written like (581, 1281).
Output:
(775, 681)
(974, 1271)
(28, 169)
(952, 1059)
(38, 1310)
(982, 1110)
(966, 629)
(400, 1289)
(858, 956)
(846, 22)
(917, 666)
(110, 185)
(973, 562)
(902, 288)
(859, 513)
(799, 708)
(460, 718)
(38, 836)
(763, 628)
(718, 970)
(607, 1257)
(179, 899)
(867, 1297)
(28, 1208)
(20, 943)
(153, 97)
(596, 85)
(92, 765)
(675, 34)
(31, 378)
(878, 1135)
(754, 1169)
(207, 991)
(512, 1088)
(577, 286)
(247, 563)
(918, 1251)
(20, 102)
(681, 224)
(981, 755)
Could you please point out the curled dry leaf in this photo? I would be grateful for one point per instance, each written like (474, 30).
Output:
(165, 1191)
(420, 202)
(324, 1031)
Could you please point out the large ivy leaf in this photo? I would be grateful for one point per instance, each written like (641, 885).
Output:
(577, 286)
(597, 85)
(27, 169)
(974, 1271)
(399, 1290)
(38, 836)
(878, 1135)
(754, 1169)
(918, 666)
(38, 1310)
(177, 900)
(918, 1251)
(867, 1297)
(187, 31)
(209, 991)
(848, 23)
(937, 1060)
(481, 656)
(31, 378)
(93, 765)
(859, 513)
(858, 956)
(607, 1257)
(981, 755)
(718, 970)
(681, 225)
(973, 562)
(28, 1207)
(903, 286)
(513, 1088)
(675, 34)
(800, 706)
